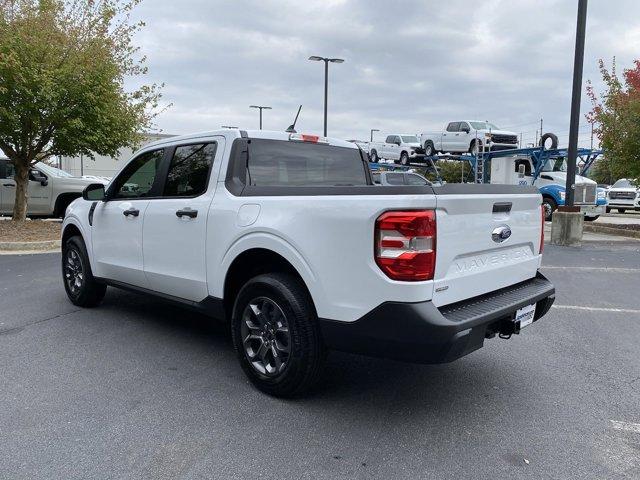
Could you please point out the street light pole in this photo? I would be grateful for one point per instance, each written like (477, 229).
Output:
(326, 61)
(260, 107)
(373, 130)
(576, 96)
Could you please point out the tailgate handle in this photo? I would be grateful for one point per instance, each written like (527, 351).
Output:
(504, 207)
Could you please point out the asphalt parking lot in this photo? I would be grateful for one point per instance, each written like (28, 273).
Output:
(140, 389)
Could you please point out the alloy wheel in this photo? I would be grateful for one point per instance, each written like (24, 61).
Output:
(265, 336)
(73, 271)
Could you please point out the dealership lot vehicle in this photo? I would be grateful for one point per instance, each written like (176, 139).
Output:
(401, 148)
(243, 226)
(399, 178)
(51, 190)
(468, 136)
(623, 195)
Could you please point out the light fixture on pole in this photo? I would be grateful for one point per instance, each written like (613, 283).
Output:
(373, 130)
(326, 61)
(260, 107)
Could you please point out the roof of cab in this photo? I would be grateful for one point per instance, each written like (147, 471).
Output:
(233, 133)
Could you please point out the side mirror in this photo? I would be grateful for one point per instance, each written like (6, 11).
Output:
(398, 143)
(466, 129)
(38, 176)
(94, 192)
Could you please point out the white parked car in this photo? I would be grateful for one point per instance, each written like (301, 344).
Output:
(401, 148)
(467, 136)
(624, 195)
(272, 232)
(51, 190)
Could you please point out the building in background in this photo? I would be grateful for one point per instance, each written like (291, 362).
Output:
(103, 166)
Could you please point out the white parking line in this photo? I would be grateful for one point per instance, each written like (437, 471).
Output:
(594, 269)
(596, 309)
(625, 426)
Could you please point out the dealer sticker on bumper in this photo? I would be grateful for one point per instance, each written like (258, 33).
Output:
(524, 315)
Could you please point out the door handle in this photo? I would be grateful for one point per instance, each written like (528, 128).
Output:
(187, 212)
(134, 212)
(10, 185)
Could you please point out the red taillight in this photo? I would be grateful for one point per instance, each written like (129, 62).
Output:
(405, 247)
(542, 230)
(310, 138)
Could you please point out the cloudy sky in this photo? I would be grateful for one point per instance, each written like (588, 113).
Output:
(409, 65)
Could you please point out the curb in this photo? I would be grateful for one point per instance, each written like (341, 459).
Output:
(623, 232)
(31, 247)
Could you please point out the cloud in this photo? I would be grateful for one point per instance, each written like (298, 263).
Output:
(410, 65)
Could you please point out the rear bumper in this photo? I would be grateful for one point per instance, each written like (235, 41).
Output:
(424, 333)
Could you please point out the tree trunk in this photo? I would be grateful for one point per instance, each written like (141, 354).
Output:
(21, 178)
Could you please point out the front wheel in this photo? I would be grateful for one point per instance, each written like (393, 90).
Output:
(404, 159)
(475, 147)
(276, 335)
(549, 206)
(622, 210)
(429, 149)
(82, 289)
(591, 219)
(374, 157)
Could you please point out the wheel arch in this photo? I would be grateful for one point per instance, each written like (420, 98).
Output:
(62, 202)
(251, 263)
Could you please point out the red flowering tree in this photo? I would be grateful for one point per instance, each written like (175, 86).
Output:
(616, 118)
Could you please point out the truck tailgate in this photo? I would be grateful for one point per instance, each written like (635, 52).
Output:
(475, 252)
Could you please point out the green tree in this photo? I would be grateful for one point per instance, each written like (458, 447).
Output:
(63, 64)
(616, 117)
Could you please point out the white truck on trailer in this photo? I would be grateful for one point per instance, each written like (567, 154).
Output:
(467, 136)
(273, 232)
(401, 148)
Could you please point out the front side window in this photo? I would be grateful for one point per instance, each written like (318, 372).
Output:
(409, 139)
(189, 170)
(395, 178)
(302, 164)
(137, 178)
(413, 179)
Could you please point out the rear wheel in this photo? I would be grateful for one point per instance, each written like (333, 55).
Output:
(591, 219)
(82, 289)
(549, 206)
(276, 335)
(429, 149)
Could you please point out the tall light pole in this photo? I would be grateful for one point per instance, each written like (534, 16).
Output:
(576, 96)
(260, 107)
(373, 130)
(326, 81)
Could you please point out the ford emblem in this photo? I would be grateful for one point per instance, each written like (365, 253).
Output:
(501, 234)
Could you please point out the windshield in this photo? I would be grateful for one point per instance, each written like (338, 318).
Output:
(54, 172)
(483, 126)
(555, 165)
(409, 139)
(624, 183)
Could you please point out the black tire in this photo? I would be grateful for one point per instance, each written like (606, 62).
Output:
(550, 206)
(430, 149)
(608, 210)
(591, 219)
(301, 366)
(622, 210)
(475, 149)
(374, 157)
(547, 136)
(83, 291)
(404, 158)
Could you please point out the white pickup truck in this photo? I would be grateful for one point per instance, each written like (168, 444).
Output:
(401, 148)
(273, 233)
(467, 136)
(50, 189)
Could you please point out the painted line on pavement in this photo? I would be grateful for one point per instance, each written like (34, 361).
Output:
(596, 309)
(625, 426)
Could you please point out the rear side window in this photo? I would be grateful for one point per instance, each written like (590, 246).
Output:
(189, 170)
(453, 127)
(285, 163)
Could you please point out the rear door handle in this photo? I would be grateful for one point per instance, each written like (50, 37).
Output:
(187, 212)
(10, 185)
(134, 212)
